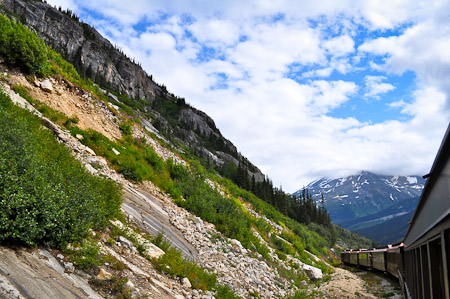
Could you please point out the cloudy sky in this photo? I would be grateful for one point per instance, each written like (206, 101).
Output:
(304, 89)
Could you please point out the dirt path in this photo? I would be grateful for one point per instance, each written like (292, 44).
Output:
(344, 284)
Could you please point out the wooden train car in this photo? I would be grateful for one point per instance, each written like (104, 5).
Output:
(354, 258)
(394, 261)
(365, 258)
(345, 257)
(379, 259)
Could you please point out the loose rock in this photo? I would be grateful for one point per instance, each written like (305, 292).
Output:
(47, 86)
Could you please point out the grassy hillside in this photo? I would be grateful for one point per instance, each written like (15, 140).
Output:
(46, 196)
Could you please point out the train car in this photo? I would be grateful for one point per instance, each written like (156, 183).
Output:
(365, 258)
(345, 257)
(379, 259)
(394, 261)
(427, 240)
(353, 258)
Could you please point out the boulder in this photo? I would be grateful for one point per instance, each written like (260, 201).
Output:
(69, 267)
(90, 150)
(104, 275)
(47, 86)
(312, 272)
(125, 242)
(186, 283)
(91, 169)
(235, 242)
(115, 151)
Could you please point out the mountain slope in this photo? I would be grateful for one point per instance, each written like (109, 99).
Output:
(376, 206)
(363, 194)
(390, 231)
(403, 207)
(96, 58)
(388, 226)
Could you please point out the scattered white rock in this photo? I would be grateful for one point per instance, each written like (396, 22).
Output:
(69, 267)
(89, 150)
(125, 242)
(104, 275)
(46, 86)
(115, 151)
(79, 137)
(312, 272)
(186, 283)
(90, 168)
(129, 285)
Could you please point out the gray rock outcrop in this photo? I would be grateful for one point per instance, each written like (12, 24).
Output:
(95, 57)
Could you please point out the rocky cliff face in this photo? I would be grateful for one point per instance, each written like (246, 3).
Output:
(95, 57)
(83, 46)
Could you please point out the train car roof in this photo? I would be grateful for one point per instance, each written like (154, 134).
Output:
(380, 249)
(434, 202)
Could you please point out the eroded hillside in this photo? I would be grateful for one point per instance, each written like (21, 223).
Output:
(129, 264)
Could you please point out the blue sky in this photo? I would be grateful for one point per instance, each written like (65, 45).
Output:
(304, 89)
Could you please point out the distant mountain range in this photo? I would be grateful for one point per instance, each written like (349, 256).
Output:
(377, 206)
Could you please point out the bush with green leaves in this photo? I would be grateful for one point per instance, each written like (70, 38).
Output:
(46, 196)
(20, 48)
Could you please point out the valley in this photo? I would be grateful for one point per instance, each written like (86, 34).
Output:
(376, 206)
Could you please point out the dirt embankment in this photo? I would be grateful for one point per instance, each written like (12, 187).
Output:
(72, 101)
(344, 284)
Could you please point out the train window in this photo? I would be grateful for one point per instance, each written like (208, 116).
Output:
(412, 271)
(425, 271)
(419, 273)
(447, 257)
(437, 271)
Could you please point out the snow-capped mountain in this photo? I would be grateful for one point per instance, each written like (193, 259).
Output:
(363, 194)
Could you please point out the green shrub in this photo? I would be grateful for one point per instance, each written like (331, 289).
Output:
(46, 196)
(224, 292)
(154, 160)
(125, 128)
(87, 256)
(172, 262)
(20, 47)
(130, 169)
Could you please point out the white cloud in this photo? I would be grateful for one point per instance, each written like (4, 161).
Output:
(375, 86)
(330, 94)
(421, 49)
(272, 47)
(216, 31)
(339, 46)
